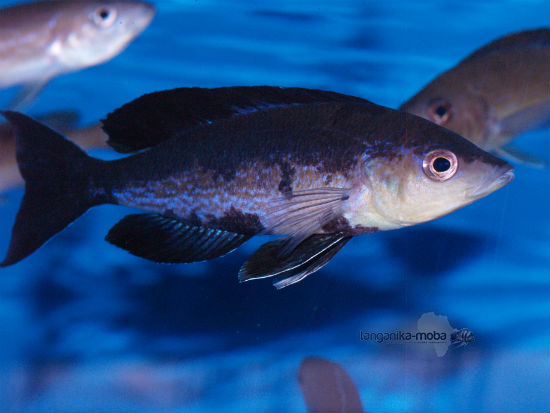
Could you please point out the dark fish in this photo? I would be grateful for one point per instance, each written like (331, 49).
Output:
(41, 40)
(497, 93)
(218, 166)
(87, 138)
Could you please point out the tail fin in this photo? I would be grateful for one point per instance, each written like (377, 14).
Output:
(56, 185)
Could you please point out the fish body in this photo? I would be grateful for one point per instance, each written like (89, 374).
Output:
(41, 40)
(494, 94)
(279, 154)
(316, 168)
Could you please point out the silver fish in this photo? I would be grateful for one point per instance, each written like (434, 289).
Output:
(41, 40)
(217, 166)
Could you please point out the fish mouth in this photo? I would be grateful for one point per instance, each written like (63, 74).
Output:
(488, 187)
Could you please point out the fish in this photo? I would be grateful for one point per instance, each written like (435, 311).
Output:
(495, 94)
(211, 168)
(327, 387)
(44, 39)
(88, 137)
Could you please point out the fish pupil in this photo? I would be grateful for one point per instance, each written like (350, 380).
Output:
(441, 111)
(104, 13)
(441, 164)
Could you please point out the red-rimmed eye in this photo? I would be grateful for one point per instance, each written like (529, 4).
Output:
(440, 165)
(440, 111)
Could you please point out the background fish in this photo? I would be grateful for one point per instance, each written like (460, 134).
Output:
(88, 137)
(230, 163)
(493, 95)
(41, 40)
(327, 387)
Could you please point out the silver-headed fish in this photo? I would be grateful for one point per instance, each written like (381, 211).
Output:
(88, 137)
(218, 166)
(493, 95)
(41, 40)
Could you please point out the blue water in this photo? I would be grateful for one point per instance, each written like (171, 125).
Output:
(85, 326)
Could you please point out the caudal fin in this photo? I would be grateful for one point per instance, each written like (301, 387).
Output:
(56, 174)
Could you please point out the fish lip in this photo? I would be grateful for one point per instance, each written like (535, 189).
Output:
(502, 180)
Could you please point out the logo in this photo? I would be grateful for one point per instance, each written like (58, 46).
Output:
(431, 329)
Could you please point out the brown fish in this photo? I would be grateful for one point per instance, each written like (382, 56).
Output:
(219, 166)
(87, 138)
(327, 387)
(497, 93)
(41, 40)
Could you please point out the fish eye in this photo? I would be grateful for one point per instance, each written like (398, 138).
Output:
(440, 111)
(440, 165)
(104, 16)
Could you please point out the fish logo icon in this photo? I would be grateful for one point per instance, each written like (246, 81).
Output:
(462, 337)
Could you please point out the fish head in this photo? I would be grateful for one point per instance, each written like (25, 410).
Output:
(93, 32)
(454, 105)
(429, 172)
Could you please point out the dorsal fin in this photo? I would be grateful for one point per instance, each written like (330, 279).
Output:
(156, 117)
(537, 38)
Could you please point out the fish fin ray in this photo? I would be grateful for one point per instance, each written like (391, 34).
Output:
(27, 95)
(315, 264)
(304, 213)
(512, 154)
(159, 116)
(534, 116)
(169, 240)
(308, 257)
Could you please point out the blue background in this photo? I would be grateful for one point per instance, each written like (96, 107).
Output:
(85, 326)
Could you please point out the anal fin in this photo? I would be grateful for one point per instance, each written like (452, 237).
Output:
(308, 257)
(163, 239)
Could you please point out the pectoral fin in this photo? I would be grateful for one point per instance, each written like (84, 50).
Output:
(534, 116)
(163, 239)
(27, 95)
(307, 258)
(514, 155)
(303, 213)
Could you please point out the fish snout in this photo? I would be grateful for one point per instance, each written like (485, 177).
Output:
(503, 176)
(137, 14)
(145, 13)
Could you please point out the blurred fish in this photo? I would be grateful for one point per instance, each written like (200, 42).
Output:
(327, 387)
(218, 166)
(493, 95)
(88, 137)
(41, 40)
